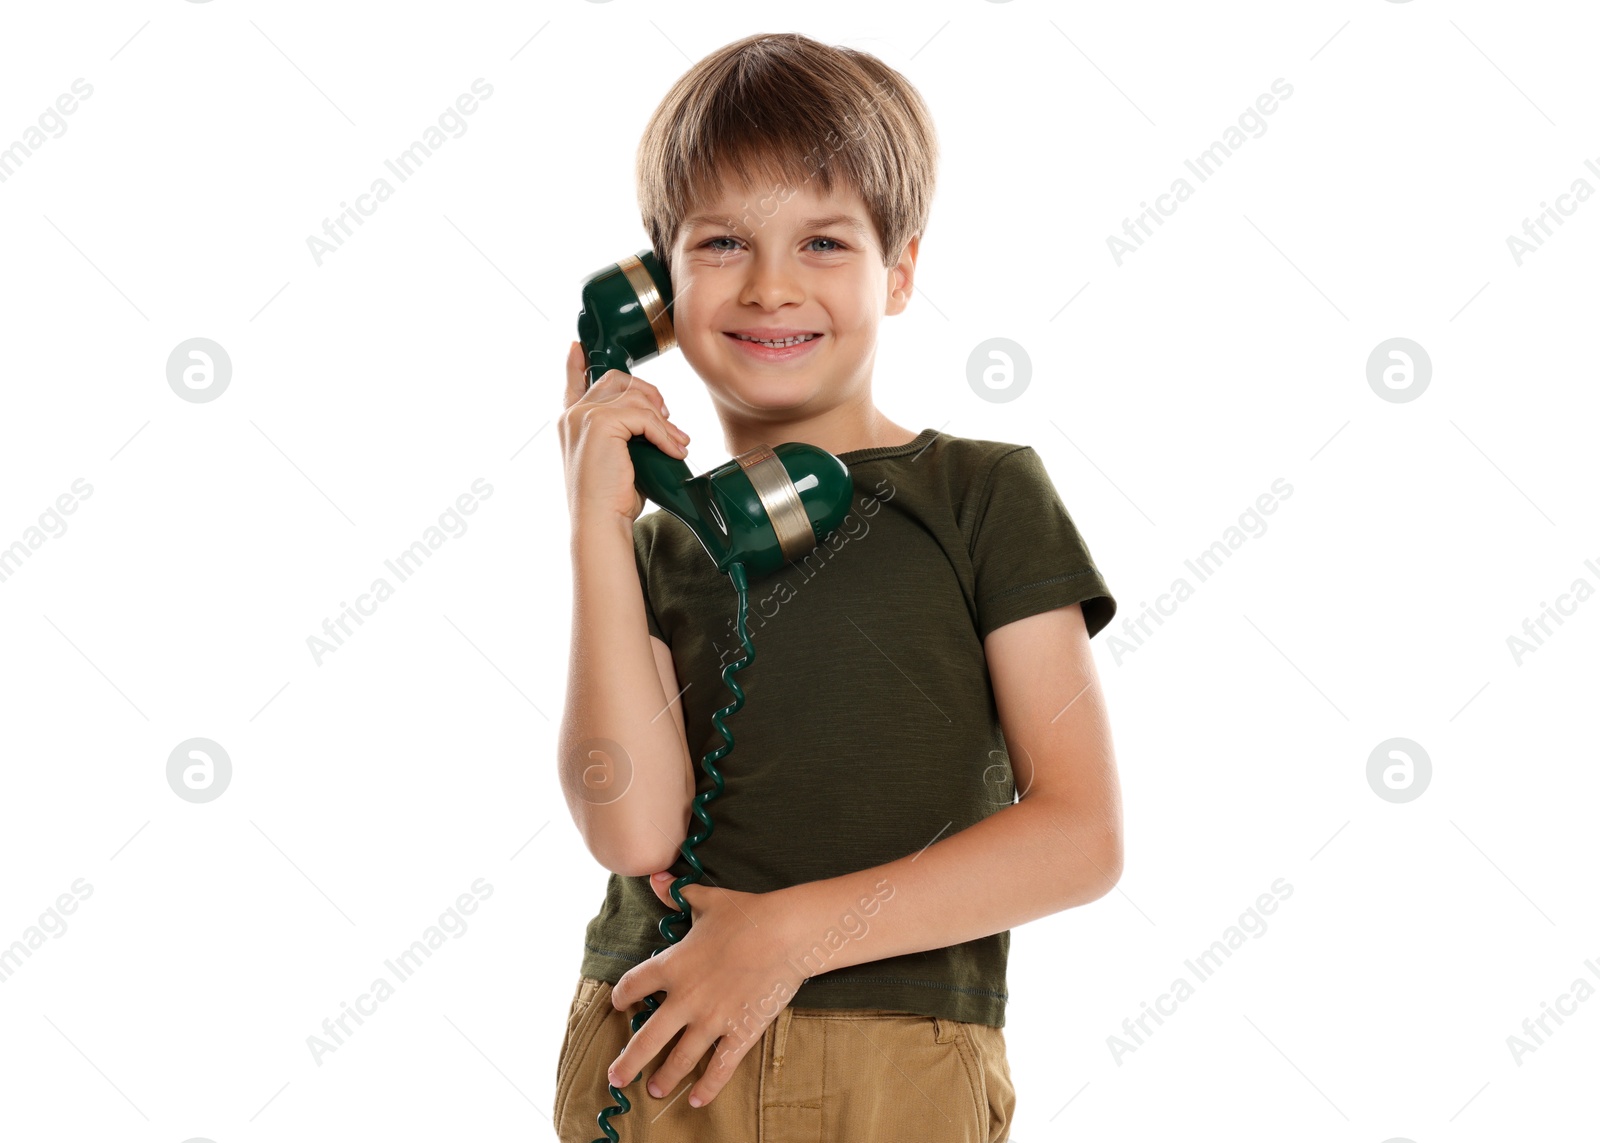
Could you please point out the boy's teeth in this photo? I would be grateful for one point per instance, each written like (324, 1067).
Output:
(776, 344)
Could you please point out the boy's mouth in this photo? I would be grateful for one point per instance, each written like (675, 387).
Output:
(774, 344)
(774, 337)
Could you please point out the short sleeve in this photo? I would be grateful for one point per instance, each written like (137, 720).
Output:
(641, 561)
(1027, 555)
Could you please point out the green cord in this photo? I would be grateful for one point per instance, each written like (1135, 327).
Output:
(737, 574)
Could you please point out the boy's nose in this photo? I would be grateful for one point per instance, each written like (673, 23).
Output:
(770, 284)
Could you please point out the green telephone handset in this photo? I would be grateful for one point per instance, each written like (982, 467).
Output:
(766, 507)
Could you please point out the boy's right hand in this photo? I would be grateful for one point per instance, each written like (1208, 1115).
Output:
(595, 427)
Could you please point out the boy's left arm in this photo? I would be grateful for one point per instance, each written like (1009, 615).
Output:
(1060, 845)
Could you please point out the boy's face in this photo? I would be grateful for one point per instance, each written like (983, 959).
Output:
(788, 262)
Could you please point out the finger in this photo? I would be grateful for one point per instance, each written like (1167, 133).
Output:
(636, 412)
(685, 1056)
(575, 384)
(615, 383)
(643, 1046)
(690, 902)
(670, 439)
(643, 979)
(732, 1048)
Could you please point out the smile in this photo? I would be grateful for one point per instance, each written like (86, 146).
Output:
(777, 343)
(779, 349)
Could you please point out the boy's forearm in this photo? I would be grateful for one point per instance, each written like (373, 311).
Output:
(1026, 861)
(626, 793)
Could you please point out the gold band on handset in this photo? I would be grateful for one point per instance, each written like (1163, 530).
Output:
(780, 498)
(650, 301)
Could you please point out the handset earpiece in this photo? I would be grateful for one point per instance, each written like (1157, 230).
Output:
(767, 506)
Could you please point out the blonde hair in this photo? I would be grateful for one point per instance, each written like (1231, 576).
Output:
(785, 108)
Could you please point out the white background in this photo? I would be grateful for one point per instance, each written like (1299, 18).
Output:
(370, 391)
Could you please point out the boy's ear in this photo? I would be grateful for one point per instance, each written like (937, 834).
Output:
(900, 276)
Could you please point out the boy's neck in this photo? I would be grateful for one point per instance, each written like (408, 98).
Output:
(840, 430)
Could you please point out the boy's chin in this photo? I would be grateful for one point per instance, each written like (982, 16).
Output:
(769, 394)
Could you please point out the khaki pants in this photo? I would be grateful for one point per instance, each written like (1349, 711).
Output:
(819, 1075)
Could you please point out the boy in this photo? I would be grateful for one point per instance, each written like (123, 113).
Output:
(923, 759)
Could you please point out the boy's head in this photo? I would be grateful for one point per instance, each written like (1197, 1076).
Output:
(748, 154)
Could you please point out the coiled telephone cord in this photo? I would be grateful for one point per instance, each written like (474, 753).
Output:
(736, 573)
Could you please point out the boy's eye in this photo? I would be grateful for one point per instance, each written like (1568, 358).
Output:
(710, 243)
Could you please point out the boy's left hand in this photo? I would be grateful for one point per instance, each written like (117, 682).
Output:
(728, 976)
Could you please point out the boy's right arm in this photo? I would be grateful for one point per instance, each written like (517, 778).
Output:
(629, 797)
(624, 760)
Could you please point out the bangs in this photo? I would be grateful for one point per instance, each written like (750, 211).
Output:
(772, 112)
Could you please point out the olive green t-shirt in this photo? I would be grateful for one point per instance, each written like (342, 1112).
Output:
(869, 728)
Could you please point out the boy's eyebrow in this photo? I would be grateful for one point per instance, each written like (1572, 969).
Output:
(848, 221)
(708, 220)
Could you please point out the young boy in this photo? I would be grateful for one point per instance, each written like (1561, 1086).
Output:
(922, 760)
